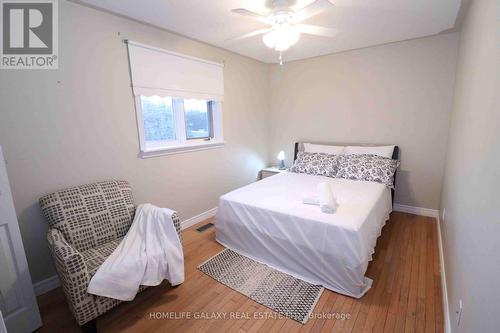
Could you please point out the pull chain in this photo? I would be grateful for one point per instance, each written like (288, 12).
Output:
(281, 59)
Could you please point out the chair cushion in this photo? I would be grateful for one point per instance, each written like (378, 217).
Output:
(90, 215)
(94, 257)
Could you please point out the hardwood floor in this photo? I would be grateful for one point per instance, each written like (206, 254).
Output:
(405, 297)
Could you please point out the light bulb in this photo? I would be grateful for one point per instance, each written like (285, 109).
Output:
(269, 39)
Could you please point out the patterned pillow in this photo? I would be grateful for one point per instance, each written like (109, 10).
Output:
(320, 164)
(368, 167)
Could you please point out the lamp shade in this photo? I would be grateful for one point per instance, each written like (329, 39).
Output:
(281, 155)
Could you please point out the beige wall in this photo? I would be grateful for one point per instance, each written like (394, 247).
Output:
(77, 125)
(471, 226)
(398, 93)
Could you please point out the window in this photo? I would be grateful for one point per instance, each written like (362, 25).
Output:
(171, 123)
(175, 124)
(178, 100)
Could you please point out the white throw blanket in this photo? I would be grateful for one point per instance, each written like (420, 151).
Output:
(149, 253)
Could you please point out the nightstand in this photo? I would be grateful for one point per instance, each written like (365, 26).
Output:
(270, 171)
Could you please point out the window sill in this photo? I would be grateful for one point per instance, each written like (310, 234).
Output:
(180, 149)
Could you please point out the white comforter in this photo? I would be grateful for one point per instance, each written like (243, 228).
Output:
(149, 253)
(268, 222)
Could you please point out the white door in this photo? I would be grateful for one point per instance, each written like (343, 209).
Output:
(17, 298)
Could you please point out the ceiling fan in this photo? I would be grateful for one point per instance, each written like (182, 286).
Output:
(285, 24)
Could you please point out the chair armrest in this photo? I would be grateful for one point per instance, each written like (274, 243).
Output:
(73, 275)
(64, 254)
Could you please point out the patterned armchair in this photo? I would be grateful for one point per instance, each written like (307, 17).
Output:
(86, 224)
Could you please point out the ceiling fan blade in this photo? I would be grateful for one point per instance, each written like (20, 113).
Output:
(317, 30)
(312, 9)
(251, 34)
(246, 12)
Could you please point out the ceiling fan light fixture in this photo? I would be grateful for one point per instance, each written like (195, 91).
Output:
(286, 23)
(281, 37)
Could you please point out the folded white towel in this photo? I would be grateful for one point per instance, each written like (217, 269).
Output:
(327, 202)
(311, 201)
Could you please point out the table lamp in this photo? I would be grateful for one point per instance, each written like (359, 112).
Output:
(281, 157)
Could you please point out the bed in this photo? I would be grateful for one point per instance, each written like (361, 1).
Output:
(268, 222)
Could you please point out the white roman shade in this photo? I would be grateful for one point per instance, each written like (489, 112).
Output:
(160, 72)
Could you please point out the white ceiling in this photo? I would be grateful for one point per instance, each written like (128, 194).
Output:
(360, 23)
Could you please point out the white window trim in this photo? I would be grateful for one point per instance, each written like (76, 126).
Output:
(182, 145)
(181, 149)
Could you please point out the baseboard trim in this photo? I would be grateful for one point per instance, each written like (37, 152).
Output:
(198, 218)
(41, 287)
(444, 289)
(416, 210)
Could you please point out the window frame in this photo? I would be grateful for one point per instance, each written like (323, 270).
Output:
(182, 144)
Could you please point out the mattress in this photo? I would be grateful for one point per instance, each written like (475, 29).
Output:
(268, 222)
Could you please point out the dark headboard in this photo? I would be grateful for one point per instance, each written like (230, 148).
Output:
(395, 156)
